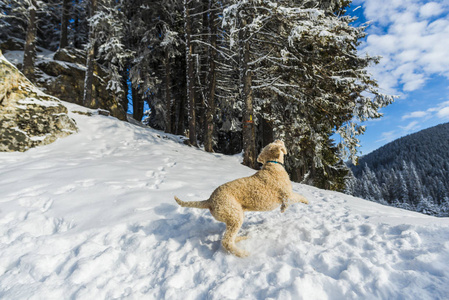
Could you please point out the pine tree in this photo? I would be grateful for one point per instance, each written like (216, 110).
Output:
(80, 29)
(212, 76)
(88, 99)
(415, 187)
(421, 160)
(110, 23)
(29, 52)
(64, 24)
(190, 73)
(249, 134)
(307, 63)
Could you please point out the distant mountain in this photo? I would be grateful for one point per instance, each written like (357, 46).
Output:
(411, 172)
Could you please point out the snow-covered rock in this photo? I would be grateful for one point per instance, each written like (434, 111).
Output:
(92, 216)
(62, 73)
(28, 117)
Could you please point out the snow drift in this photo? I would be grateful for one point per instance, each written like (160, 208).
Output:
(92, 216)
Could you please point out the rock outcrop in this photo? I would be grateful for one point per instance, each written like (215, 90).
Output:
(62, 75)
(28, 117)
(65, 80)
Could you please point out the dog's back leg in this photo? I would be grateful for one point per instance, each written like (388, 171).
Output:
(241, 238)
(230, 236)
(299, 198)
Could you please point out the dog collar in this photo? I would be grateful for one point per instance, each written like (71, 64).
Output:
(276, 162)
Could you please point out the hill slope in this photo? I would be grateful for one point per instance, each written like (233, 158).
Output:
(411, 172)
(92, 216)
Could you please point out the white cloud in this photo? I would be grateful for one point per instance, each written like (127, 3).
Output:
(412, 126)
(415, 114)
(440, 111)
(430, 9)
(412, 36)
(388, 136)
(443, 113)
(392, 135)
(408, 55)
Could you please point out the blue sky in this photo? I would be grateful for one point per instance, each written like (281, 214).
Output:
(412, 37)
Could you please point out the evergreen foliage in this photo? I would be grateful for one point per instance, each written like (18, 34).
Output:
(232, 75)
(411, 172)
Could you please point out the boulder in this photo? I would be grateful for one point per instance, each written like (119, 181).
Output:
(28, 117)
(12, 44)
(62, 75)
(71, 55)
(64, 78)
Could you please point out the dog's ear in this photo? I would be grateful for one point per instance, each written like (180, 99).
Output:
(280, 142)
(283, 149)
(261, 157)
(281, 146)
(274, 152)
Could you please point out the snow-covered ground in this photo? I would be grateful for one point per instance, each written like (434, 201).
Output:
(92, 216)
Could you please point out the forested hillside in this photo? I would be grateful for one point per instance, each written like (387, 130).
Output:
(231, 75)
(411, 172)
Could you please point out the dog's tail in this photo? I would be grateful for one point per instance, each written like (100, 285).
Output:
(197, 204)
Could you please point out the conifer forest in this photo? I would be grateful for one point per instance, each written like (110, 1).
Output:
(411, 173)
(229, 75)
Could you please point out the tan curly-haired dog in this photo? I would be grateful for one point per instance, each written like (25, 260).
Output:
(266, 190)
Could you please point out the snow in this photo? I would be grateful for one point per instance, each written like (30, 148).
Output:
(14, 57)
(45, 103)
(92, 216)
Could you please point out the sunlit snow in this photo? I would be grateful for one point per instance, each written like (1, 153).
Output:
(92, 216)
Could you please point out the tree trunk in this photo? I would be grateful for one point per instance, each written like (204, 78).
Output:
(76, 28)
(137, 104)
(180, 104)
(248, 132)
(202, 78)
(267, 132)
(190, 74)
(180, 114)
(210, 109)
(88, 99)
(63, 42)
(124, 81)
(168, 101)
(29, 53)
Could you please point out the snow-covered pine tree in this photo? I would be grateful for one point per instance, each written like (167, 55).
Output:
(79, 27)
(106, 34)
(49, 28)
(20, 19)
(110, 26)
(9, 24)
(29, 52)
(88, 99)
(421, 159)
(139, 15)
(415, 185)
(155, 72)
(211, 76)
(65, 12)
(307, 72)
(190, 75)
(242, 19)
(444, 207)
(24, 19)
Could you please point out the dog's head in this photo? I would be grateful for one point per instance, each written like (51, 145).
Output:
(274, 151)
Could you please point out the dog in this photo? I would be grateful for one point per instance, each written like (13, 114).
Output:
(266, 190)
